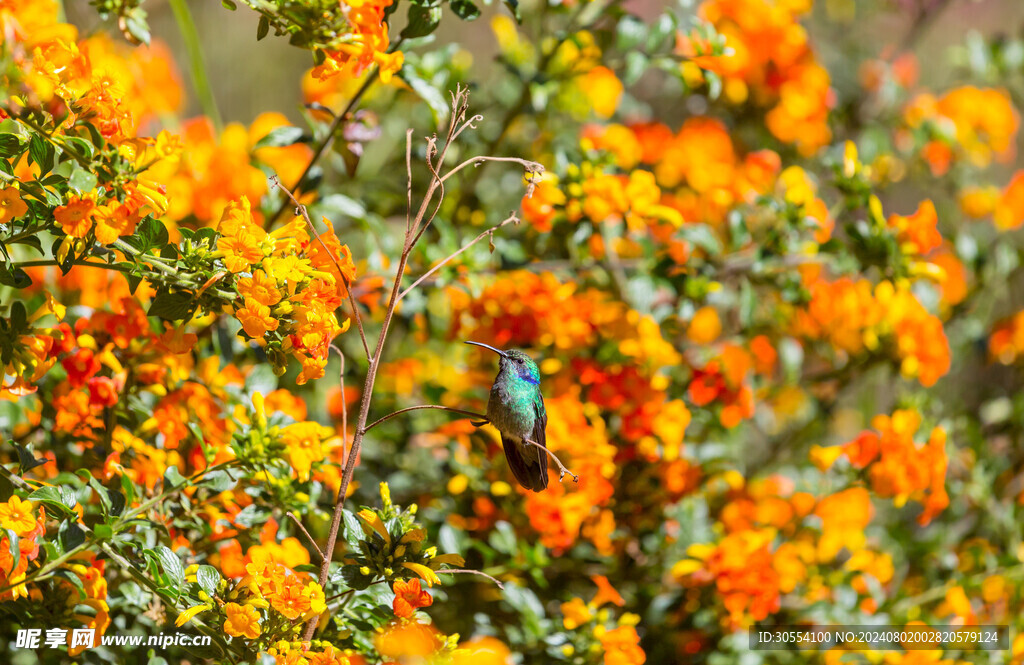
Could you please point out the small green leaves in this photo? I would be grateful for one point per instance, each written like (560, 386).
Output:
(150, 234)
(173, 305)
(10, 145)
(263, 29)
(41, 152)
(423, 20)
(208, 579)
(51, 496)
(280, 137)
(465, 9)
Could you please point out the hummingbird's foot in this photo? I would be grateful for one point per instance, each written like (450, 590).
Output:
(479, 423)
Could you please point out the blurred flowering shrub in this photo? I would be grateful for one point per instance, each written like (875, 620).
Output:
(772, 289)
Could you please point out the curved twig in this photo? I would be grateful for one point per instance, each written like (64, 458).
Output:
(451, 571)
(471, 414)
(513, 219)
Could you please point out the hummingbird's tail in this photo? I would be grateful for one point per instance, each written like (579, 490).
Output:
(529, 463)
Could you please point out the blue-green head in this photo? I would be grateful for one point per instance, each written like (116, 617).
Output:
(514, 364)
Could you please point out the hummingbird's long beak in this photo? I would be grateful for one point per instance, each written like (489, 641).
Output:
(498, 351)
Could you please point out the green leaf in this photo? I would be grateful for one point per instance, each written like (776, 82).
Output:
(263, 29)
(171, 564)
(353, 530)
(103, 531)
(423, 20)
(80, 146)
(173, 305)
(42, 153)
(67, 496)
(138, 28)
(51, 497)
(428, 93)
(26, 459)
(252, 515)
(229, 5)
(149, 234)
(82, 180)
(218, 481)
(208, 578)
(465, 9)
(71, 535)
(280, 137)
(17, 277)
(10, 145)
(513, 6)
(74, 579)
(19, 316)
(14, 546)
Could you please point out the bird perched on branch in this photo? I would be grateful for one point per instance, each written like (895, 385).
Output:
(516, 408)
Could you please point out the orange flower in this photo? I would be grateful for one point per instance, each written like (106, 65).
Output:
(622, 647)
(408, 597)
(242, 620)
(256, 319)
(705, 327)
(606, 593)
(918, 232)
(75, 216)
(260, 288)
(11, 204)
(1009, 209)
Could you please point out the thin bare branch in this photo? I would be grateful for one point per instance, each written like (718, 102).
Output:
(460, 571)
(344, 405)
(512, 219)
(305, 533)
(341, 273)
(471, 414)
(408, 169)
(562, 470)
(325, 143)
(530, 166)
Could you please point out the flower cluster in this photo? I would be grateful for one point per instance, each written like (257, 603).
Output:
(854, 316)
(365, 44)
(966, 123)
(289, 285)
(897, 466)
(595, 631)
(771, 63)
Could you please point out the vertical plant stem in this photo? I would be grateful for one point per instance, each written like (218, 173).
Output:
(187, 26)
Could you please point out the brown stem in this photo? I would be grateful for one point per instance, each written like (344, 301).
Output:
(325, 143)
(512, 219)
(471, 414)
(414, 229)
(348, 285)
(305, 533)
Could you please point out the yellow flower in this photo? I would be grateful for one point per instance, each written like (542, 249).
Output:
(17, 515)
(317, 600)
(429, 576)
(242, 620)
(190, 613)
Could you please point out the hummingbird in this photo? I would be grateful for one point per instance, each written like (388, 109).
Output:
(516, 408)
